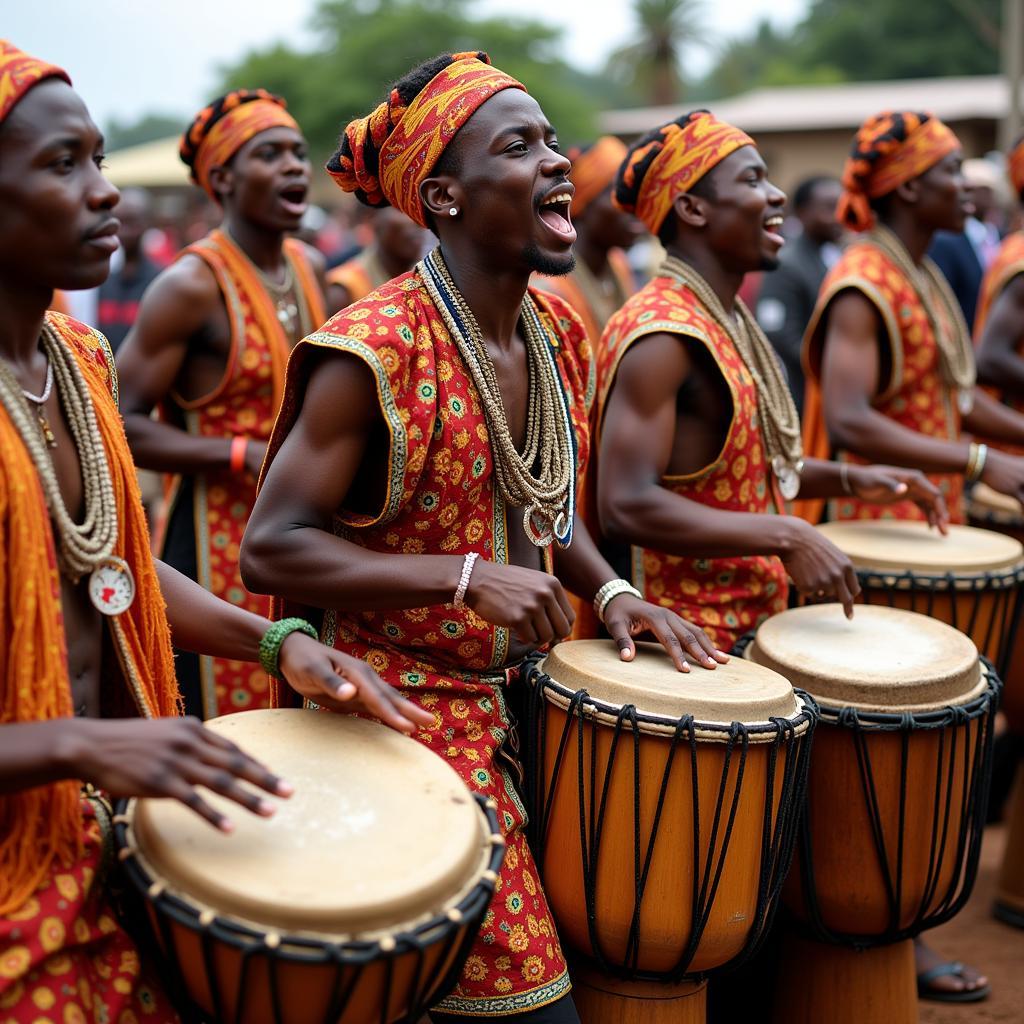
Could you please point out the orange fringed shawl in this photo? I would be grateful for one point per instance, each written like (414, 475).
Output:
(42, 825)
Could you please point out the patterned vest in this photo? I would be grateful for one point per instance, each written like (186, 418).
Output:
(725, 596)
(441, 496)
(244, 403)
(915, 395)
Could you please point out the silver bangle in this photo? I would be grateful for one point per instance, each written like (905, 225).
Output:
(609, 591)
(844, 476)
(467, 570)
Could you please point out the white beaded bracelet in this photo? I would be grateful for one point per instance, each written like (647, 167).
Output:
(467, 570)
(611, 590)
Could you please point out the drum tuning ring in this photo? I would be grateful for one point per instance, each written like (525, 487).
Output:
(387, 944)
(490, 876)
(272, 940)
(206, 918)
(156, 889)
(497, 839)
(491, 804)
(121, 819)
(454, 915)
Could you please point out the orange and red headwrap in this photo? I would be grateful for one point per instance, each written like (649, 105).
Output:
(1015, 166)
(594, 170)
(220, 130)
(386, 156)
(18, 73)
(670, 161)
(889, 149)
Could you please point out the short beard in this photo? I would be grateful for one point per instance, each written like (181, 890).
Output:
(550, 266)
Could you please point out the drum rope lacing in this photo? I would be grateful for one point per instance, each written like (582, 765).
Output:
(778, 836)
(933, 908)
(444, 939)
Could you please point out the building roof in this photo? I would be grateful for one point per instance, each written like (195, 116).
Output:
(841, 105)
(148, 165)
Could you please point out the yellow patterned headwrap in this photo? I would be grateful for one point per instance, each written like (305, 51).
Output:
(593, 170)
(18, 73)
(1015, 165)
(220, 130)
(386, 156)
(670, 160)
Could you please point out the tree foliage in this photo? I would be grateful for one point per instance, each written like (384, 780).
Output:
(362, 46)
(148, 128)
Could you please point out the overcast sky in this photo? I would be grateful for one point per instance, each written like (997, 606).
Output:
(130, 57)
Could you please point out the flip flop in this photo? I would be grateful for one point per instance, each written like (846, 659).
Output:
(940, 995)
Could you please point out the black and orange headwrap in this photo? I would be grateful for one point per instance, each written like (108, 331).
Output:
(1015, 167)
(385, 157)
(19, 72)
(889, 149)
(219, 130)
(670, 160)
(594, 169)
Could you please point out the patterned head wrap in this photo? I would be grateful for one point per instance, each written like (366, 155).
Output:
(220, 130)
(18, 73)
(1015, 165)
(670, 161)
(386, 156)
(594, 169)
(889, 149)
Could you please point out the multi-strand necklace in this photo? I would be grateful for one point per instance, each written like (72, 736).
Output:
(956, 356)
(780, 424)
(86, 547)
(547, 496)
(283, 296)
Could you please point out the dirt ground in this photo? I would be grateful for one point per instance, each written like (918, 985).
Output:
(975, 937)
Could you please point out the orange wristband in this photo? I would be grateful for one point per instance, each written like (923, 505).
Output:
(239, 446)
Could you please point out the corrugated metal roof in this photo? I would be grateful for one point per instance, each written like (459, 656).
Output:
(845, 105)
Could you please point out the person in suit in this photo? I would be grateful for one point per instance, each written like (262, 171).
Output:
(788, 293)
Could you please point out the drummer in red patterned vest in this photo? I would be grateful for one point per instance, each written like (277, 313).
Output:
(395, 495)
(999, 324)
(602, 279)
(891, 372)
(209, 350)
(697, 433)
(85, 639)
(398, 243)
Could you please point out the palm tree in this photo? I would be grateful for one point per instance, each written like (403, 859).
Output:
(652, 60)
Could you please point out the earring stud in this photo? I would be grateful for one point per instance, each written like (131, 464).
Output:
(453, 211)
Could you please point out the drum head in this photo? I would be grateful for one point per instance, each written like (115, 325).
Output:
(1001, 507)
(900, 545)
(883, 659)
(379, 832)
(736, 692)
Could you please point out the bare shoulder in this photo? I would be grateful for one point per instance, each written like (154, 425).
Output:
(189, 280)
(341, 392)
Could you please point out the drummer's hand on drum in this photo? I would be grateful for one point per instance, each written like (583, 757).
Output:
(886, 485)
(170, 757)
(1004, 473)
(529, 602)
(628, 615)
(818, 569)
(342, 683)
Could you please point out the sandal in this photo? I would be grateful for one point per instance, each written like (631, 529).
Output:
(925, 989)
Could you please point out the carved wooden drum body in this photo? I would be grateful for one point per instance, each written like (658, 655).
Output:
(356, 903)
(664, 810)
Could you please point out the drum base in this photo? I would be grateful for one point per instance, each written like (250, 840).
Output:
(847, 986)
(601, 999)
(1009, 906)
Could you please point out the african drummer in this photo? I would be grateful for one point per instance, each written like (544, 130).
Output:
(395, 471)
(85, 641)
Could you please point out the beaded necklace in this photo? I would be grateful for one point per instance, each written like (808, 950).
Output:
(780, 424)
(547, 497)
(85, 547)
(956, 355)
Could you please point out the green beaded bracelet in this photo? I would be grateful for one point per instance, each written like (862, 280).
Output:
(270, 645)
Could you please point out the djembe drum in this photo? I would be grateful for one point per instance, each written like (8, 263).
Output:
(994, 511)
(895, 804)
(969, 579)
(664, 809)
(355, 904)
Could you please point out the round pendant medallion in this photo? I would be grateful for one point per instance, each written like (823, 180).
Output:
(112, 586)
(537, 528)
(788, 477)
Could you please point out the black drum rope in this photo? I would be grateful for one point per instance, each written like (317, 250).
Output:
(778, 831)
